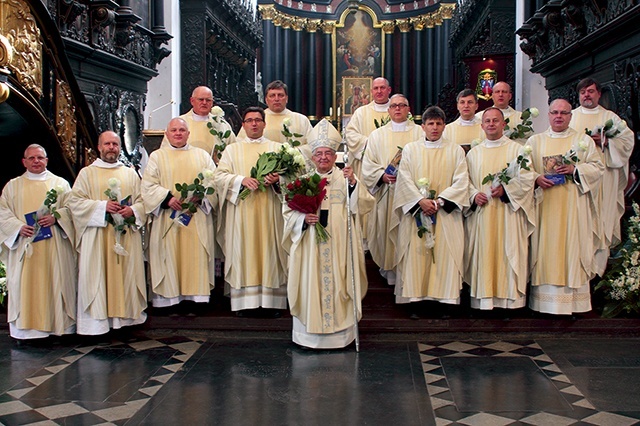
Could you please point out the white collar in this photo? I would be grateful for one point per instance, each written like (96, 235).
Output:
(259, 140)
(496, 143)
(104, 165)
(592, 111)
(284, 112)
(557, 135)
(471, 122)
(399, 127)
(196, 117)
(433, 144)
(39, 176)
(381, 107)
(184, 148)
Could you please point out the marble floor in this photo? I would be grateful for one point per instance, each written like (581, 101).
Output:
(157, 377)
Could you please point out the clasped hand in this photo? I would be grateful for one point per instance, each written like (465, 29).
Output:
(124, 211)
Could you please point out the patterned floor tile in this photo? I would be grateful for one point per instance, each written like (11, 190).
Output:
(17, 408)
(446, 411)
(485, 419)
(610, 419)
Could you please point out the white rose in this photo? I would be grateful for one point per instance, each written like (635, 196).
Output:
(291, 150)
(424, 182)
(113, 183)
(217, 111)
(299, 159)
(621, 125)
(526, 150)
(207, 173)
(534, 112)
(287, 121)
(59, 189)
(582, 145)
(475, 143)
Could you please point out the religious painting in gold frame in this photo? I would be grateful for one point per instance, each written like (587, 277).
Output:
(357, 92)
(359, 56)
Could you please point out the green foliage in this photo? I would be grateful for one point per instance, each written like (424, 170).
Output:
(382, 122)
(49, 202)
(291, 137)
(621, 283)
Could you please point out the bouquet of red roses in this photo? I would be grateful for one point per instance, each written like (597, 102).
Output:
(305, 195)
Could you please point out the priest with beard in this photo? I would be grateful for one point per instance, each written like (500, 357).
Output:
(112, 289)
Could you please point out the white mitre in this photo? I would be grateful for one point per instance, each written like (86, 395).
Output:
(324, 135)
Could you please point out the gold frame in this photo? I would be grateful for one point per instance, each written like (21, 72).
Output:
(365, 83)
(334, 39)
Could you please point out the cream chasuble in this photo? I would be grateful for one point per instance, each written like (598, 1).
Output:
(199, 133)
(251, 231)
(182, 258)
(111, 288)
(320, 285)
(610, 196)
(360, 126)
(434, 273)
(41, 287)
(497, 233)
(463, 132)
(382, 147)
(563, 243)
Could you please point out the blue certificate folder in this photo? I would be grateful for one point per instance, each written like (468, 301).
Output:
(184, 218)
(557, 179)
(44, 232)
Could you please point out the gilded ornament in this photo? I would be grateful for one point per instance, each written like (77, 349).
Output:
(19, 27)
(404, 25)
(6, 51)
(66, 123)
(268, 12)
(388, 27)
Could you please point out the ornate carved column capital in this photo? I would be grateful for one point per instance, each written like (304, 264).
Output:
(447, 10)
(277, 20)
(298, 24)
(313, 25)
(418, 23)
(429, 22)
(404, 25)
(328, 27)
(268, 12)
(388, 27)
(287, 22)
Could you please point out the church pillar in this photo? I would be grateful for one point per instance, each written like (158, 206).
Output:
(405, 27)
(419, 76)
(312, 83)
(277, 55)
(439, 54)
(327, 68)
(297, 66)
(267, 65)
(389, 28)
(287, 64)
(430, 68)
(158, 16)
(446, 52)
